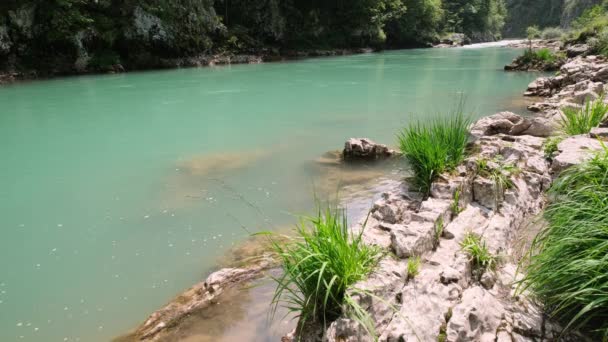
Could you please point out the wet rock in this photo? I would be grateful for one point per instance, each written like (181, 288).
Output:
(577, 50)
(162, 322)
(575, 150)
(357, 149)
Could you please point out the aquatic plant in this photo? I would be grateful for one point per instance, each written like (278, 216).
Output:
(319, 265)
(567, 267)
(581, 121)
(481, 258)
(434, 147)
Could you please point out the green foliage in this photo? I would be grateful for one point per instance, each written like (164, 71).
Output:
(533, 32)
(319, 265)
(499, 173)
(550, 146)
(568, 266)
(552, 33)
(541, 57)
(581, 121)
(481, 258)
(474, 17)
(413, 267)
(455, 206)
(434, 147)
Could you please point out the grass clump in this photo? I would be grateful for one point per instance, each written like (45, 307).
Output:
(413, 267)
(434, 147)
(568, 264)
(455, 205)
(550, 146)
(581, 121)
(500, 175)
(481, 258)
(319, 265)
(544, 56)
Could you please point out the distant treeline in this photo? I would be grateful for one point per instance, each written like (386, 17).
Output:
(64, 36)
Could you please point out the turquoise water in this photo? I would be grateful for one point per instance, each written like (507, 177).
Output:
(119, 191)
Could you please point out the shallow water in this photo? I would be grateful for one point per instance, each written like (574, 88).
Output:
(119, 191)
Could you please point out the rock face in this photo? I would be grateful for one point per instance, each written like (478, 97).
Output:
(448, 298)
(362, 149)
(589, 69)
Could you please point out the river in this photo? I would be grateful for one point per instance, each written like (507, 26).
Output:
(119, 191)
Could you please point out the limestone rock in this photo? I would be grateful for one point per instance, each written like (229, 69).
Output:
(366, 149)
(476, 317)
(577, 50)
(512, 124)
(574, 150)
(599, 133)
(413, 239)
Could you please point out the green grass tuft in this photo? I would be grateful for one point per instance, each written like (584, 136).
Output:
(581, 121)
(435, 147)
(550, 146)
(319, 265)
(568, 264)
(478, 252)
(413, 267)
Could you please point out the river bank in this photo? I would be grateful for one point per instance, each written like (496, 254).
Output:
(205, 60)
(452, 299)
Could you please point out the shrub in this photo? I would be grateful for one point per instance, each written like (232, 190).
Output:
(478, 252)
(551, 33)
(568, 264)
(319, 265)
(581, 121)
(434, 147)
(533, 32)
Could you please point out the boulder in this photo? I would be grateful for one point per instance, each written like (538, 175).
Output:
(575, 150)
(577, 50)
(363, 149)
(512, 124)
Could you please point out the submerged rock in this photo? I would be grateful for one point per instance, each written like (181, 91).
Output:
(363, 149)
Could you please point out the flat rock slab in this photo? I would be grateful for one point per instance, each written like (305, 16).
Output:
(575, 150)
(599, 133)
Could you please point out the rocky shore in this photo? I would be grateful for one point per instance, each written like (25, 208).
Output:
(450, 300)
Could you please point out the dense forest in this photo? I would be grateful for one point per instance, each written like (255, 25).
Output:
(70, 36)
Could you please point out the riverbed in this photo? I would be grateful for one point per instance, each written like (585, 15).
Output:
(119, 191)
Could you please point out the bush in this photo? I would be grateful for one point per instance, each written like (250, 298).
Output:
(581, 121)
(568, 264)
(434, 147)
(319, 265)
(552, 33)
(533, 32)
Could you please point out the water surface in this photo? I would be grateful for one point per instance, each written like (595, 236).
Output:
(119, 191)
